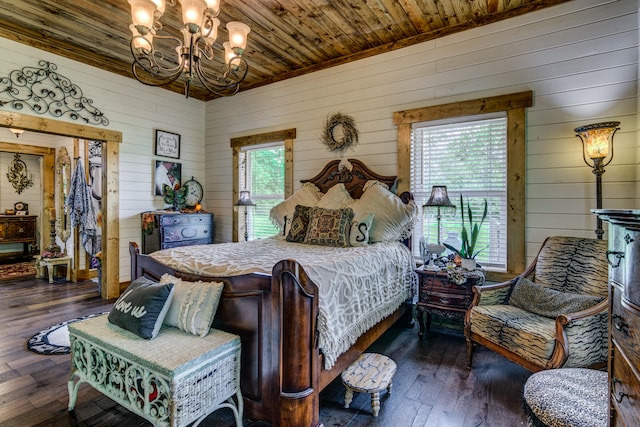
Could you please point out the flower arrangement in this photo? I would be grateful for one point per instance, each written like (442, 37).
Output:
(469, 237)
(49, 254)
(96, 261)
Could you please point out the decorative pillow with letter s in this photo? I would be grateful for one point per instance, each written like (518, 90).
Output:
(194, 304)
(142, 307)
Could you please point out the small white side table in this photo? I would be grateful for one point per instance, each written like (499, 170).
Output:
(50, 264)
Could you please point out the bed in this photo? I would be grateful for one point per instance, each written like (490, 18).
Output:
(277, 310)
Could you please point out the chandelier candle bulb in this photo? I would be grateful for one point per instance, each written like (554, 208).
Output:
(142, 14)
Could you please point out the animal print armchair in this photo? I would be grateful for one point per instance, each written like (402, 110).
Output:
(553, 315)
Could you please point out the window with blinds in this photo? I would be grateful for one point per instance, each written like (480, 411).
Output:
(469, 156)
(262, 172)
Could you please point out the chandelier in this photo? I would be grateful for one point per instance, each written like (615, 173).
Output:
(153, 67)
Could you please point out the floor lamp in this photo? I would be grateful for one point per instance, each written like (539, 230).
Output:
(246, 202)
(597, 145)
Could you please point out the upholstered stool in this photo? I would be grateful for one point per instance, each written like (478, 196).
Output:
(567, 397)
(370, 373)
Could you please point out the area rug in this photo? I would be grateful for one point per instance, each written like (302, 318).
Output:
(55, 339)
(21, 269)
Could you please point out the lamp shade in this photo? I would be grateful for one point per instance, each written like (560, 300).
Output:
(245, 199)
(439, 197)
(597, 139)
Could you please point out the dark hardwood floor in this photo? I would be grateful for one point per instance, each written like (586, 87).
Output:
(432, 386)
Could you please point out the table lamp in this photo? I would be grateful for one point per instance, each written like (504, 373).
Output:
(438, 199)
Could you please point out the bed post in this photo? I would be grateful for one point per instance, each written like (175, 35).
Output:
(296, 299)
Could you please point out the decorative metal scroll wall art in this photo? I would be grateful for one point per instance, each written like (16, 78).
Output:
(46, 91)
(18, 174)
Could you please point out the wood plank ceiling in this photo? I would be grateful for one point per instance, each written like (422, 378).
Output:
(288, 37)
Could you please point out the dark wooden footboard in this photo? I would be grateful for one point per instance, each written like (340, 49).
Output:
(275, 317)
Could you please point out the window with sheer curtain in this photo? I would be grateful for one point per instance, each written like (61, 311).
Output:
(469, 156)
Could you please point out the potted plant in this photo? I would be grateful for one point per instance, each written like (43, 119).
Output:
(469, 237)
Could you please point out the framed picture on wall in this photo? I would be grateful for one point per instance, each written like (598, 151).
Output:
(167, 144)
(169, 173)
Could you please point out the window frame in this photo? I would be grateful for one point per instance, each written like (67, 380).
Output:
(237, 144)
(514, 106)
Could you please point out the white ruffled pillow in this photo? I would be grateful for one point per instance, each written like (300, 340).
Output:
(337, 197)
(392, 218)
(307, 195)
(193, 306)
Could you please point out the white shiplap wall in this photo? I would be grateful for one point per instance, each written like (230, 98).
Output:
(135, 110)
(579, 58)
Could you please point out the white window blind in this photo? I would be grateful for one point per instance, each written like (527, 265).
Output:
(263, 176)
(470, 158)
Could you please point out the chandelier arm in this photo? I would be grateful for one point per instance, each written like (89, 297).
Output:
(230, 86)
(157, 81)
(150, 62)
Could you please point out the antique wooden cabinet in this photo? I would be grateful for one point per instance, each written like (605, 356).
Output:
(446, 293)
(624, 315)
(162, 230)
(18, 229)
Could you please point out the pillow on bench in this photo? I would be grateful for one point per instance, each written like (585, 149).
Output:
(142, 307)
(548, 302)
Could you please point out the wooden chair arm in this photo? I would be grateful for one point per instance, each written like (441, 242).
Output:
(489, 291)
(561, 351)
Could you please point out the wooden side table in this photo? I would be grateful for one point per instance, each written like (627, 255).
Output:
(446, 292)
(50, 264)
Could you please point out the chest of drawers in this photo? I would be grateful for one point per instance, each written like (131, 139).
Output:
(18, 229)
(624, 315)
(170, 230)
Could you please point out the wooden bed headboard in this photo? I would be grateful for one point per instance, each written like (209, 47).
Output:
(353, 179)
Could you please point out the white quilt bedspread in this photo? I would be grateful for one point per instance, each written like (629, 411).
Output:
(358, 286)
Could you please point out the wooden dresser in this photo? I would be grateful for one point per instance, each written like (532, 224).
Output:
(624, 315)
(18, 229)
(163, 230)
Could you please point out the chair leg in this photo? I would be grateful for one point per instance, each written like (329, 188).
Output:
(469, 353)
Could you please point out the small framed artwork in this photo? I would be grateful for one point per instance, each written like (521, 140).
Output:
(169, 173)
(167, 144)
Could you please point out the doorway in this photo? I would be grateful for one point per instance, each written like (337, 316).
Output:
(110, 196)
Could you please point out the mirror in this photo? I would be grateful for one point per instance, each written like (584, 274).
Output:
(63, 181)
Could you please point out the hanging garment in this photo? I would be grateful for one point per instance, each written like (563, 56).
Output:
(81, 211)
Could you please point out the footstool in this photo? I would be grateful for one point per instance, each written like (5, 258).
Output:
(567, 397)
(370, 373)
(175, 379)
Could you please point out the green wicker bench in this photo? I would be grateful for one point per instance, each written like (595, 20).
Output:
(174, 379)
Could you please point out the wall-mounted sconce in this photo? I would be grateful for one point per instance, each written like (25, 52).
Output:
(597, 145)
(18, 174)
(17, 132)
